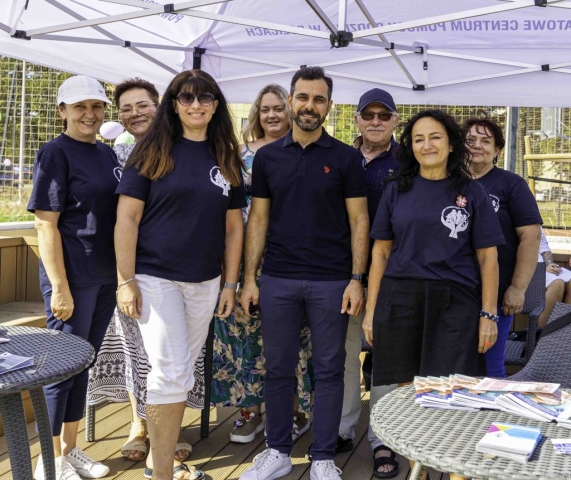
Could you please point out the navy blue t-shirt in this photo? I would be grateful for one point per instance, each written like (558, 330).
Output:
(309, 237)
(434, 237)
(183, 228)
(79, 180)
(377, 172)
(515, 206)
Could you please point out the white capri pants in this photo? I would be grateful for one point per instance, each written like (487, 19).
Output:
(174, 323)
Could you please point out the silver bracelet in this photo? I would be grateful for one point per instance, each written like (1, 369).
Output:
(125, 283)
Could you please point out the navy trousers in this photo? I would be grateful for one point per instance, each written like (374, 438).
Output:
(93, 309)
(283, 305)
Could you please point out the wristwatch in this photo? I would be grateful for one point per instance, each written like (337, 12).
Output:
(233, 286)
(360, 277)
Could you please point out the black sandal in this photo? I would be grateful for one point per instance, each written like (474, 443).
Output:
(382, 461)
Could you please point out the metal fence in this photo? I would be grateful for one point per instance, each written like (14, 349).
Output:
(549, 130)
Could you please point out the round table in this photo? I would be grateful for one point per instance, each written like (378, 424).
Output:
(446, 440)
(57, 356)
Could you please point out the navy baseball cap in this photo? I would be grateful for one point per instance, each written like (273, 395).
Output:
(376, 95)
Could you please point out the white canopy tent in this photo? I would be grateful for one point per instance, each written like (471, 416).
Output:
(469, 52)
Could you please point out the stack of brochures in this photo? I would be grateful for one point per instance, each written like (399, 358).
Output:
(10, 362)
(564, 418)
(506, 440)
(536, 400)
(538, 406)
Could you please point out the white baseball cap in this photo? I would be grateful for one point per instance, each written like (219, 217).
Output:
(79, 88)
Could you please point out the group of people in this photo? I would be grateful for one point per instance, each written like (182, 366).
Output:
(295, 242)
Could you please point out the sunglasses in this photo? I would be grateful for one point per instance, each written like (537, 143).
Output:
(187, 98)
(383, 116)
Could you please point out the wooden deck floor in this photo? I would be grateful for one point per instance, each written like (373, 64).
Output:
(220, 459)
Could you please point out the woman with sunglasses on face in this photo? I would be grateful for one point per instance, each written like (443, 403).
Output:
(137, 102)
(520, 220)
(238, 363)
(180, 212)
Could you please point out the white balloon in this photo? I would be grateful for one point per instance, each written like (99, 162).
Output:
(111, 130)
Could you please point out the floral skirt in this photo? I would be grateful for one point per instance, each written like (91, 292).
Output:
(122, 366)
(238, 363)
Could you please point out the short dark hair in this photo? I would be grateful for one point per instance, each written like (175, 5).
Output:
(136, 82)
(486, 124)
(312, 73)
(457, 164)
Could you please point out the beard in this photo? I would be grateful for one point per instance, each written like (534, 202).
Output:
(308, 125)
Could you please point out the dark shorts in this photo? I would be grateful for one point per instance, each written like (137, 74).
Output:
(425, 327)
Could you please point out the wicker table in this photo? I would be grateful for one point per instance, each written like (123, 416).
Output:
(446, 440)
(57, 356)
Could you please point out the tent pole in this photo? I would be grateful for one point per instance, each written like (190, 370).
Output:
(8, 108)
(511, 136)
(197, 58)
(22, 134)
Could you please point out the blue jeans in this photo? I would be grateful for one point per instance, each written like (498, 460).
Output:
(93, 309)
(495, 356)
(283, 305)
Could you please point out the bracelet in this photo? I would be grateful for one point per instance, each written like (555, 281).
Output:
(125, 283)
(233, 286)
(489, 316)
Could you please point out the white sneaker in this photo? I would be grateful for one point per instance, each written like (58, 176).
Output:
(64, 471)
(268, 465)
(85, 465)
(324, 470)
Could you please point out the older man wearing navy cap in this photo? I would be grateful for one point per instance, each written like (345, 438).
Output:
(376, 119)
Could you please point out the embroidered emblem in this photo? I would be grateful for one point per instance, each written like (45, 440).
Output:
(326, 169)
(217, 179)
(495, 203)
(118, 171)
(456, 219)
(461, 201)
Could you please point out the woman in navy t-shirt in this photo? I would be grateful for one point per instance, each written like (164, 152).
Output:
(179, 215)
(74, 203)
(520, 219)
(431, 306)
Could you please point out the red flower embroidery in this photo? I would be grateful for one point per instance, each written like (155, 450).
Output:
(461, 201)
(326, 169)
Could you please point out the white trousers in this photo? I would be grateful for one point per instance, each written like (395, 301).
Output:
(174, 325)
(352, 394)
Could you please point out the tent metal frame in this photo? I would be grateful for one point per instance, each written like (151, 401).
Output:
(396, 51)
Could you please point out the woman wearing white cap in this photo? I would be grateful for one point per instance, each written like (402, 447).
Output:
(74, 203)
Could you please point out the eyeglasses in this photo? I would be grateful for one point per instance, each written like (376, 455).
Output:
(383, 116)
(187, 98)
(143, 108)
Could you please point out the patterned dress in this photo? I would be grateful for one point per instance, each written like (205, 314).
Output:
(122, 364)
(238, 363)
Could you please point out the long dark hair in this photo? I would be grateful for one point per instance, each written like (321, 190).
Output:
(457, 159)
(152, 155)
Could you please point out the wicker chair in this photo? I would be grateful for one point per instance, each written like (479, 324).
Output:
(533, 306)
(550, 360)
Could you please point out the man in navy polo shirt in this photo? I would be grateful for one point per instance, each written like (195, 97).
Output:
(309, 211)
(376, 119)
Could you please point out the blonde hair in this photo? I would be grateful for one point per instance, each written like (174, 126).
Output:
(253, 128)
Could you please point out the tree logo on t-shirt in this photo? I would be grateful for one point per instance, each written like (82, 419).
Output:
(118, 171)
(456, 219)
(217, 179)
(495, 202)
